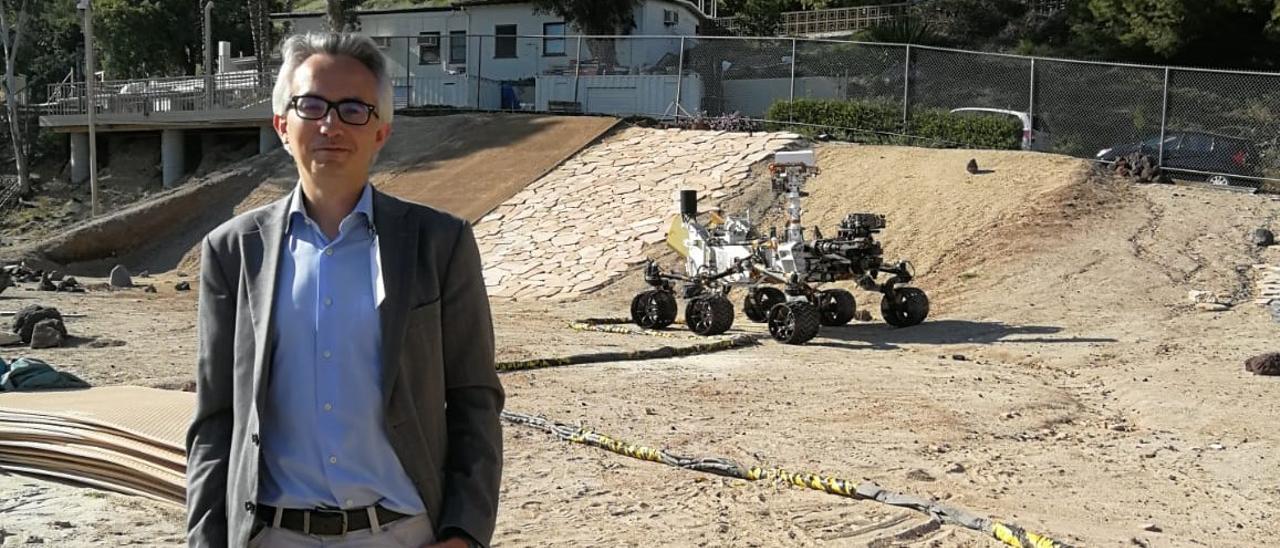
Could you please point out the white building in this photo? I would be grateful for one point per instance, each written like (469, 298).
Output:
(492, 54)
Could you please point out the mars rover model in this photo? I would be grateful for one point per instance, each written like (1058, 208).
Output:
(779, 272)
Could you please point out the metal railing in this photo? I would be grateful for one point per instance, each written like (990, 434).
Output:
(832, 20)
(232, 90)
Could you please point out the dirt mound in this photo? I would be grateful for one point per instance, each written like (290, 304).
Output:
(466, 164)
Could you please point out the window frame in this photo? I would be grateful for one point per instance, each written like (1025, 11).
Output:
(423, 60)
(564, 46)
(458, 38)
(511, 38)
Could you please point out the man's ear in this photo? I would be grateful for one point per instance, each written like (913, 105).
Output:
(380, 137)
(383, 134)
(282, 128)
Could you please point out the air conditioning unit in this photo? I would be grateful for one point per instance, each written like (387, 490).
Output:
(430, 40)
(383, 42)
(670, 17)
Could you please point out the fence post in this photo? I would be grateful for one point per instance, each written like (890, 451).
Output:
(679, 78)
(791, 100)
(408, 80)
(480, 71)
(577, 68)
(906, 89)
(1164, 116)
(1031, 100)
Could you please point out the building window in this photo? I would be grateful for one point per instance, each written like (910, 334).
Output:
(504, 42)
(428, 48)
(552, 47)
(458, 47)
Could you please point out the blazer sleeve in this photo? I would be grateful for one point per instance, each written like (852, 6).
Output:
(473, 395)
(209, 436)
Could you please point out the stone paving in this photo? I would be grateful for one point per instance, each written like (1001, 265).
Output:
(588, 222)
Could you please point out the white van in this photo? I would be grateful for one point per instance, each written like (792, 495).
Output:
(1035, 134)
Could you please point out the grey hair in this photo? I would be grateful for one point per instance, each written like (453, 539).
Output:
(300, 47)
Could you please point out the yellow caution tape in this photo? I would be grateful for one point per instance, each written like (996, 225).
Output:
(1009, 534)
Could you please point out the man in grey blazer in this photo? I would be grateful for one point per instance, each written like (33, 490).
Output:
(346, 394)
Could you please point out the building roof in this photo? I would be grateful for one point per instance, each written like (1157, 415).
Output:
(456, 4)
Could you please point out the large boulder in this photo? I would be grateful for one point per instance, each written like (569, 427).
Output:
(25, 320)
(48, 333)
(120, 277)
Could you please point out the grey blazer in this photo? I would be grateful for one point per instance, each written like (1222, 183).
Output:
(441, 394)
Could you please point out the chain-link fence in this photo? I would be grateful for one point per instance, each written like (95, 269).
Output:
(1218, 126)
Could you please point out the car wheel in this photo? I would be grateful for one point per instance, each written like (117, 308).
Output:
(1219, 180)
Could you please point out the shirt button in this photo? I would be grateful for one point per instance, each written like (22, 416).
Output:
(333, 460)
(328, 301)
(328, 407)
(328, 251)
(327, 354)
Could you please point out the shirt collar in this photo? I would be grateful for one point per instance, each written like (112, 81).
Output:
(297, 209)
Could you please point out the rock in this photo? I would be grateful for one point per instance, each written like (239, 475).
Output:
(919, 475)
(1213, 307)
(144, 274)
(182, 286)
(46, 284)
(24, 321)
(189, 386)
(1264, 364)
(56, 275)
(120, 277)
(104, 343)
(1263, 237)
(1152, 527)
(972, 168)
(959, 357)
(862, 315)
(7, 339)
(1198, 297)
(956, 468)
(149, 289)
(48, 333)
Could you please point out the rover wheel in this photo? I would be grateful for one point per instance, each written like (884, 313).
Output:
(759, 301)
(709, 315)
(653, 309)
(835, 306)
(793, 322)
(904, 307)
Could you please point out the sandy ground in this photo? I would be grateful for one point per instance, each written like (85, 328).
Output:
(1092, 399)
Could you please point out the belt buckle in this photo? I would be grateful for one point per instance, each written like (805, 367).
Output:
(343, 513)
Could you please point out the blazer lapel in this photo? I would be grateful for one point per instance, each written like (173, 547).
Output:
(397, 246)
(261, 259)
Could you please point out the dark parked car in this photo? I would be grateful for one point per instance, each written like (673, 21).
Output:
(1221, 159)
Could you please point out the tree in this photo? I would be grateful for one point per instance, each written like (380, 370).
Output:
(761, 17)
(11, 38)
(260, 27)
(1239, 33)
(342, 15)
(595, 18)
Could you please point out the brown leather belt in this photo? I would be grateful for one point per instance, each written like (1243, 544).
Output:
(319, 521)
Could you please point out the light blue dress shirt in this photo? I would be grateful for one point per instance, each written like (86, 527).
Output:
(323, 440)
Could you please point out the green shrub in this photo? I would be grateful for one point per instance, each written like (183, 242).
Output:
(881, 122)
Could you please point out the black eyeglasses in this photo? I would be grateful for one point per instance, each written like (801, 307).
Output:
(351, 111)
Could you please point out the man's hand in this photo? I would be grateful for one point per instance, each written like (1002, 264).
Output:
(455, 542)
